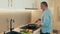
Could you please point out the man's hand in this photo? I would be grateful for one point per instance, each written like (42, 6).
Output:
(38, 25)
(37, 20)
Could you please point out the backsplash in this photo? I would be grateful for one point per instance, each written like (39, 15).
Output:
(20, 18)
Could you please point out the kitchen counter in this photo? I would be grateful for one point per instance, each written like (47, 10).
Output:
(35, 32)
(18, 30)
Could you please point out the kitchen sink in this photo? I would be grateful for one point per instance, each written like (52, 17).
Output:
(13, 32)
(11, 29)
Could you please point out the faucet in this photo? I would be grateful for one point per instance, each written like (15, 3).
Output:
(4, 32)
(11, 32)
(11, 21)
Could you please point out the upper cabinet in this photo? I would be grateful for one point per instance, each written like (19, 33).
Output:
(16, 4)
(3, 4)
(22, 4)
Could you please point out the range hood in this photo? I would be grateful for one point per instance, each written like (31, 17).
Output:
(31, 8)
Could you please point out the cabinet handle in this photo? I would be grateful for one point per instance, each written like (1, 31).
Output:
(11, 2)
(8, 3)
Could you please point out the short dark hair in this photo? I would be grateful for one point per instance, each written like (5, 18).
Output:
(44, 3)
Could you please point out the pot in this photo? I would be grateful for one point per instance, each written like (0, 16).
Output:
(32, 26)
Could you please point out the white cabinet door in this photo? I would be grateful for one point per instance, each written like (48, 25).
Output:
(28, 3)
(18, 4)
(22, 4)
(3, 4)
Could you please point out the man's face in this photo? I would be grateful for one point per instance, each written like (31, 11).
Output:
(43, 7)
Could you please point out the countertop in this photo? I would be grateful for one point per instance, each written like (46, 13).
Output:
(18, 30)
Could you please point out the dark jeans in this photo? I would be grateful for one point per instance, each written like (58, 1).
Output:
(43, 33)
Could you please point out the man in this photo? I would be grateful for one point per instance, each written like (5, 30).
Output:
(46, 19)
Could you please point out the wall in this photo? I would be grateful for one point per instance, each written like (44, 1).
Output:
(35, 15)
(20, 18)
(56, 24)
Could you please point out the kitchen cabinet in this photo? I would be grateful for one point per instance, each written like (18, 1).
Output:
(19, 4)
(22, 4)
(3, 4)
(16, 4)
